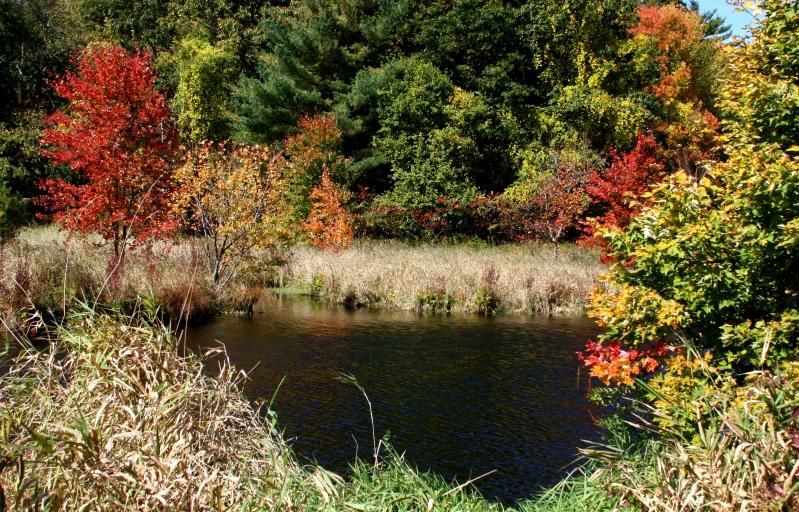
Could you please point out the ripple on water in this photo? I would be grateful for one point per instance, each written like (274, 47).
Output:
(461, 395)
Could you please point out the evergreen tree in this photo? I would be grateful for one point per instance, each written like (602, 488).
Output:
(37, 38)
(323, 58)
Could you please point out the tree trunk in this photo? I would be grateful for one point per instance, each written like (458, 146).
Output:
(217, 270)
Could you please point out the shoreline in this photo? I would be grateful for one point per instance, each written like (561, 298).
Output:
(519, 279)
(44, 270)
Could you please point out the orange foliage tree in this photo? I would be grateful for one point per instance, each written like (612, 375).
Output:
(329, 224)
(690, 68)
(236, 198)
(316, 147)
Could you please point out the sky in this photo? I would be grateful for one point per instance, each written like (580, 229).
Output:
(736, 19)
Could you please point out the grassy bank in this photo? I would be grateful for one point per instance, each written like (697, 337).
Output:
(43, 269)
(528, 278)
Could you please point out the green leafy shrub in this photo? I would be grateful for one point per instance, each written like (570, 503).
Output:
(761, 87)
(713, 260)
(434, 299)
(14, 212)
(436, 137)
(204, 73)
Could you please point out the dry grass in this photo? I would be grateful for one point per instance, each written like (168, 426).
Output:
(731, 447)
(390, 274)
(45, 269)
(744, 458)
(112, 418)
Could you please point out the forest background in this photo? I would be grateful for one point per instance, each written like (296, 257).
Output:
(507, 121)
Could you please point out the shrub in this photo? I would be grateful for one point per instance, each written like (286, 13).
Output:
(329, 224)
(236, 199)
(712, 260)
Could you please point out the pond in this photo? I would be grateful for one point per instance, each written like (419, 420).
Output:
(461, 395)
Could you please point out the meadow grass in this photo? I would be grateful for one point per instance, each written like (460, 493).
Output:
(518, 278)
(47, 270)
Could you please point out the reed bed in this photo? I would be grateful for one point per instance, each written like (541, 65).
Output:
(110, 417)
(527, 278)
(47, 270)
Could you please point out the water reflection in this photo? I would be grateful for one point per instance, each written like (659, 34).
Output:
(461, 394)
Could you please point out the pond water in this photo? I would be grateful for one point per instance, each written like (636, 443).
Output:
(460, 394)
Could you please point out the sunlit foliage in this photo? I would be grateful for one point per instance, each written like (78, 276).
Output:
(329, 225)
(204, 73)
(316, 148)
(116, 134)
(620, 188)
(761, 89)
(690, 69)
(237, 200)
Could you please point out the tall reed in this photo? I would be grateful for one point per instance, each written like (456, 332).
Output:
(47, 270)
(111, 417)
(397, 275)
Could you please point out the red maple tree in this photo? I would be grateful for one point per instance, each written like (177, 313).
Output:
(630, 175)
(115, 133)
(620, 188)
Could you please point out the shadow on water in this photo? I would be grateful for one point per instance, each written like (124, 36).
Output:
(461, 395)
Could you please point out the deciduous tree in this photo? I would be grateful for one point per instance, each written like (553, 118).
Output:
(317, 147)
(619, 190)
(690, 71)
(204, 74)
(558, 201)
(761, 90)
(116, 134)
(329, 224)
(236, 198)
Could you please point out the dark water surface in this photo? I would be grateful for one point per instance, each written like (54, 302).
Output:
(460, 394)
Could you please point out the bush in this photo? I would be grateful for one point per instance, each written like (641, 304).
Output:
(14, 212)
(714, 261)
